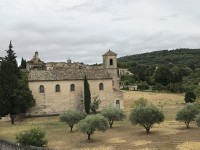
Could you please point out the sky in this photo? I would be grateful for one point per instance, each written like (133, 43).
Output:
(83, 30)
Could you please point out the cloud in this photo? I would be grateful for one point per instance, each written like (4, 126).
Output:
(83, 30)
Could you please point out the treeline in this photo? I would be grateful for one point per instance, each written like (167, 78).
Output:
(167, 70)
(180, 57)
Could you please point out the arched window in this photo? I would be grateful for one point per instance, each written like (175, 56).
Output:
(57, 88)
(111, 62)
(101, 86)
(72, 87)
(41, 89)
(117, 104)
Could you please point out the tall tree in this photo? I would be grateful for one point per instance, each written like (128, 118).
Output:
(15, 96)
(23, 63)
(87, 96)
(163, 76)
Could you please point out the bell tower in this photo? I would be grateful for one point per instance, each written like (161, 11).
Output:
(110, 65)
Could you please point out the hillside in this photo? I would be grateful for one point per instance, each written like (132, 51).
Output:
(179, 57)
(166, 70)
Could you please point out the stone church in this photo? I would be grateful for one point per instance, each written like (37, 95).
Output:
(58, 87)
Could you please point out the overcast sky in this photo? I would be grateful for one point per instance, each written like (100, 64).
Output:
(83, 30)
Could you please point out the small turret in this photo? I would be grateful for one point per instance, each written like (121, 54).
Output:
(110, 60)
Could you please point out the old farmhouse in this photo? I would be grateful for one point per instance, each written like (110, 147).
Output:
(58, 87)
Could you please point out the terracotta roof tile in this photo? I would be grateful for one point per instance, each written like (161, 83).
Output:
(68, 74)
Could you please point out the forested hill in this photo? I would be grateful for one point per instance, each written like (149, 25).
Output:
(179, 57)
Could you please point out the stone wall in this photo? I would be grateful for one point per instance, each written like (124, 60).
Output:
(51, 102)
(7, 145)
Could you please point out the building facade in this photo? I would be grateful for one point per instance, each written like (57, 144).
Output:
(60, 89)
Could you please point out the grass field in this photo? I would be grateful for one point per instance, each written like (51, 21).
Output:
(168, 135)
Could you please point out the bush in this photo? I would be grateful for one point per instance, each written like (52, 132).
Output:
(146, 116)
(113, 114)
(92, 123)
(190, 97)
(143, 86)
(175, 87)
(159, 87)
(72, 117)
(34, 137)
(95, 104)
(187, 114)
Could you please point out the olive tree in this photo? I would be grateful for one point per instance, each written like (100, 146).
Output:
(146, 116)
(93, 123)
(113, 114)
(198, 120)
(72, 117)
(187, 114)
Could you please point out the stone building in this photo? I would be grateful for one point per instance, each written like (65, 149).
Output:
(35, 63)
(58, 90)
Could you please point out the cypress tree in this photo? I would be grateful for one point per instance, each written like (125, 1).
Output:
(15, 96)
(23, 63)
(87, 96)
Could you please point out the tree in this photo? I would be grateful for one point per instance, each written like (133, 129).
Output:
(23, 63)
(15, 96)
(163, 76)
(113, 114)
(187, 114)
(87, 96)
(71, 118)
(95, 104)
(24, 96)
(143, 86)
(141, 75)
(146, 115)
(93, 123)
(198, 120)
(190, 97)
(34, 137)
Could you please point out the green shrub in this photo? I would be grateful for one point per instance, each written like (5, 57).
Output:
(159, 87)
(95, 104)
(143, 86)
(34, 137)
(190, 97)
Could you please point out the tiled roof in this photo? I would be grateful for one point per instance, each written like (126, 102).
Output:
(68, 74)
(110, 53)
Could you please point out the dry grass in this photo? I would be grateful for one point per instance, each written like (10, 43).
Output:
(167, 135)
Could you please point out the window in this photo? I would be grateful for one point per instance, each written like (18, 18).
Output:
(72, 87)
(101, 86)
(117, 104)
(41, 88)
(57, 88)
(111, 62)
